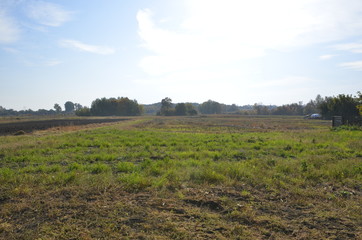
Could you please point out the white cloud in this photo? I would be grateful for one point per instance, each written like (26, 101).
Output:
(77, 45)
(216, 32)
(327, 56)
(352, 65)
(46, 13)
(175, 51)
(350, 47)
(9, 31)
(253, 23)
(289, 81)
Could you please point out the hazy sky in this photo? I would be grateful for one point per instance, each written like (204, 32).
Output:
(230, 51)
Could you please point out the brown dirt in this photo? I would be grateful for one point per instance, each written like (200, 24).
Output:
(30, 126)
(213, 213)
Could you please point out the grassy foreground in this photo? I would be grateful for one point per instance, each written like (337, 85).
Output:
(215, 177)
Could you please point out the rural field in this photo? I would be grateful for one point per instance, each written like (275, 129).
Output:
(204, 177)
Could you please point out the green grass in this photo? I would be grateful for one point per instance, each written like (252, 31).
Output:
(222, 177)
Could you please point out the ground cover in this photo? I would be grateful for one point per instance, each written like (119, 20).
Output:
(208, 177)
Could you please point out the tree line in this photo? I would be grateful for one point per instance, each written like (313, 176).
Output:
(350, 108)
(69, 108)
(347, 106)
(112, 107)
(180, 109)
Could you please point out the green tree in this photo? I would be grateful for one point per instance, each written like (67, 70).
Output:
(115, 107)
(180, 109)
(233, 108)
(310, 108)
(342, 105)
(289, 109)
(69, 106)
(166, 103)
(210, 107)
(77, 106)
(84, 111)
(359, 100)
(313, 105)
(261, 109)
(166, 107)
(57, 108)
(190, 110)
(100, 107)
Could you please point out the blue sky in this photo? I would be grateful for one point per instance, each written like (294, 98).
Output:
(230, 51)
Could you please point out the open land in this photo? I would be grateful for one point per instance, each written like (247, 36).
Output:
(205, 177)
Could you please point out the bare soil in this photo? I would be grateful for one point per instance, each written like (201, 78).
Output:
(22, 127)
(203, 213)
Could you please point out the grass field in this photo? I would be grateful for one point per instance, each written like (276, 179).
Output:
(206, 177)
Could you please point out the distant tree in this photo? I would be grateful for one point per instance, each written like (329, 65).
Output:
(261, 109)
(233, 108)
(180, 109)
(166, 107)
(210, 107)
(166, 103)
(42, 112)
(359, 100)
(310, 108)
(69, 106)
(152, 109)
(127, 107)
(77, 106)
(115, 107)
(190, 110)
(100, 107)
(57, 108)
(289, 109)
(318, 100)
(313, 105)
(342, 105)
(84, 111)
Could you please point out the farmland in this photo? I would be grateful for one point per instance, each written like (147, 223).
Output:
(29, 125)
(205, 177)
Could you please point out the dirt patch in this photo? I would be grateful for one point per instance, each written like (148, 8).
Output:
(212, 205)
(80, 213)
(14, 128)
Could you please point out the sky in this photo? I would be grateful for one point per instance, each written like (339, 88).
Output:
(231, 51)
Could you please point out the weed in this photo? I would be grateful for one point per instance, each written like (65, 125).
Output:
(98, 168)
(304, 166)
(288, 148)
(207, 175)
(126, 167)
(135, 182)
